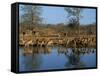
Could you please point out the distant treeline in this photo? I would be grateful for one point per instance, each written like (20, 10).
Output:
(89, 29)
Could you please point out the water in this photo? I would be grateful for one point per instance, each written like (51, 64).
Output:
(48, 58)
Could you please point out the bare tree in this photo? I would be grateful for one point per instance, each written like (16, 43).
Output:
(74, 15)
(30, 15)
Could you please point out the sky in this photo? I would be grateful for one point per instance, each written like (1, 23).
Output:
(56, 15)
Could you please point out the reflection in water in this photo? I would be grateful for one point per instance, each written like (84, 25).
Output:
(36, 50)
(30, 57)
(43, 58)
(28, 61)
(74, 56)
(74, 60)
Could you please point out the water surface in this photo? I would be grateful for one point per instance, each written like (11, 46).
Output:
(47, 58)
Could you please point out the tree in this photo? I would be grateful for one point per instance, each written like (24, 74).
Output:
(74, 15)
(72, 23)
(30, 15)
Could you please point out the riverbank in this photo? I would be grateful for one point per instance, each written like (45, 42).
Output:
(80, 41)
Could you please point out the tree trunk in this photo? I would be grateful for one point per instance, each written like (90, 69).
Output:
(78, 25)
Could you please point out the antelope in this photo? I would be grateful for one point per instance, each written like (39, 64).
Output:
(49, 43)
